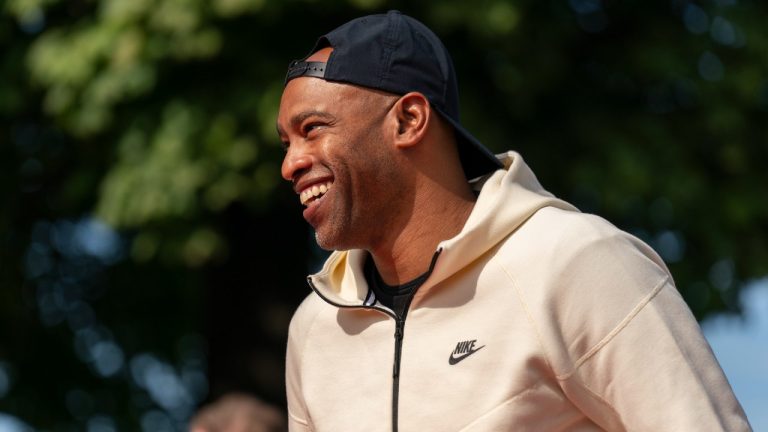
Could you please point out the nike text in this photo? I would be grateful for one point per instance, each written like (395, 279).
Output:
(463, 350)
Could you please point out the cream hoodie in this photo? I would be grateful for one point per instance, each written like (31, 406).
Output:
(535, 318)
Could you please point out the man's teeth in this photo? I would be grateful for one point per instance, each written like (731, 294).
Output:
(313, 192)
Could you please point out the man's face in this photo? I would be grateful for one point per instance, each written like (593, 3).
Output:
(339, 159)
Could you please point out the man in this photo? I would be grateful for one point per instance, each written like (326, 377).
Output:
(462, 295)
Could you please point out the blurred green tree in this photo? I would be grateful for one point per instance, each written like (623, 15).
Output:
(146, 241)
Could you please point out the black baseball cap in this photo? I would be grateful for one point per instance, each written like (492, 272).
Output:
(397, 54)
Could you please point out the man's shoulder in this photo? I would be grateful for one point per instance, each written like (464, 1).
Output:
(566, 232)
(574, 225)
(571, 245)
(306, 313)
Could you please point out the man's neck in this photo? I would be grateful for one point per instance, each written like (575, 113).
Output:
(439, 216)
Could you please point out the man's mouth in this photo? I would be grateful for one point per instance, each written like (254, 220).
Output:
(314, 192)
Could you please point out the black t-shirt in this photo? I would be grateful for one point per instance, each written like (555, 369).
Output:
(395, 297)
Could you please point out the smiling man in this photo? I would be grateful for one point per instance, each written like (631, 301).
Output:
(462, 295)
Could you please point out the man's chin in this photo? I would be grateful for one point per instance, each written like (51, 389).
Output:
(330, 242)
(323, 242)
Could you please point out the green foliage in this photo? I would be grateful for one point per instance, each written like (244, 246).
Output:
(157, 117)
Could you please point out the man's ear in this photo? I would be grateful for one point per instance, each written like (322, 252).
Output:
(413, 114)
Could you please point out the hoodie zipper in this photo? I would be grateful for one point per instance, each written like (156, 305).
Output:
(399, 334)
(399, 329)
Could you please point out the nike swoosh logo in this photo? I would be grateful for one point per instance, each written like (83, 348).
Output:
(453, 359)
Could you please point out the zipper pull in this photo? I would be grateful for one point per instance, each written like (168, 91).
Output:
(399, 325)
(399, 330)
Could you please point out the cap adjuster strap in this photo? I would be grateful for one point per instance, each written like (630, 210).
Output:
(299, 68)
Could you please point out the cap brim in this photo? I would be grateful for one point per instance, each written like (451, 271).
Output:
(476, 159)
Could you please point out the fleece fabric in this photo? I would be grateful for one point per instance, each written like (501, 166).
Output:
(536, 317)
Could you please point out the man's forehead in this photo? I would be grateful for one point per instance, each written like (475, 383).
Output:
(311, 91)
(320, 55)
(313, 95)
(304, 91)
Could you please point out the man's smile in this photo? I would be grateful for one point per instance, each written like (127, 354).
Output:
(314, 192)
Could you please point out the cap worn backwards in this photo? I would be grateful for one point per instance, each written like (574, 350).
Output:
(395, 53)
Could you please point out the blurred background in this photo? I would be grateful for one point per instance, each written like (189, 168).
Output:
(151, 258)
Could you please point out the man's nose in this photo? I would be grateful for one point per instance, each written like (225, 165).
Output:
(295, 162)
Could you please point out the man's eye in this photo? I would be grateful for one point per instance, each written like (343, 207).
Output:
(309, 127)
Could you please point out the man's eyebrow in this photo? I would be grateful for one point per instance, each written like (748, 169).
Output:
(300, 117)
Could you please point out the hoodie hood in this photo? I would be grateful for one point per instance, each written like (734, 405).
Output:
(508, 197)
